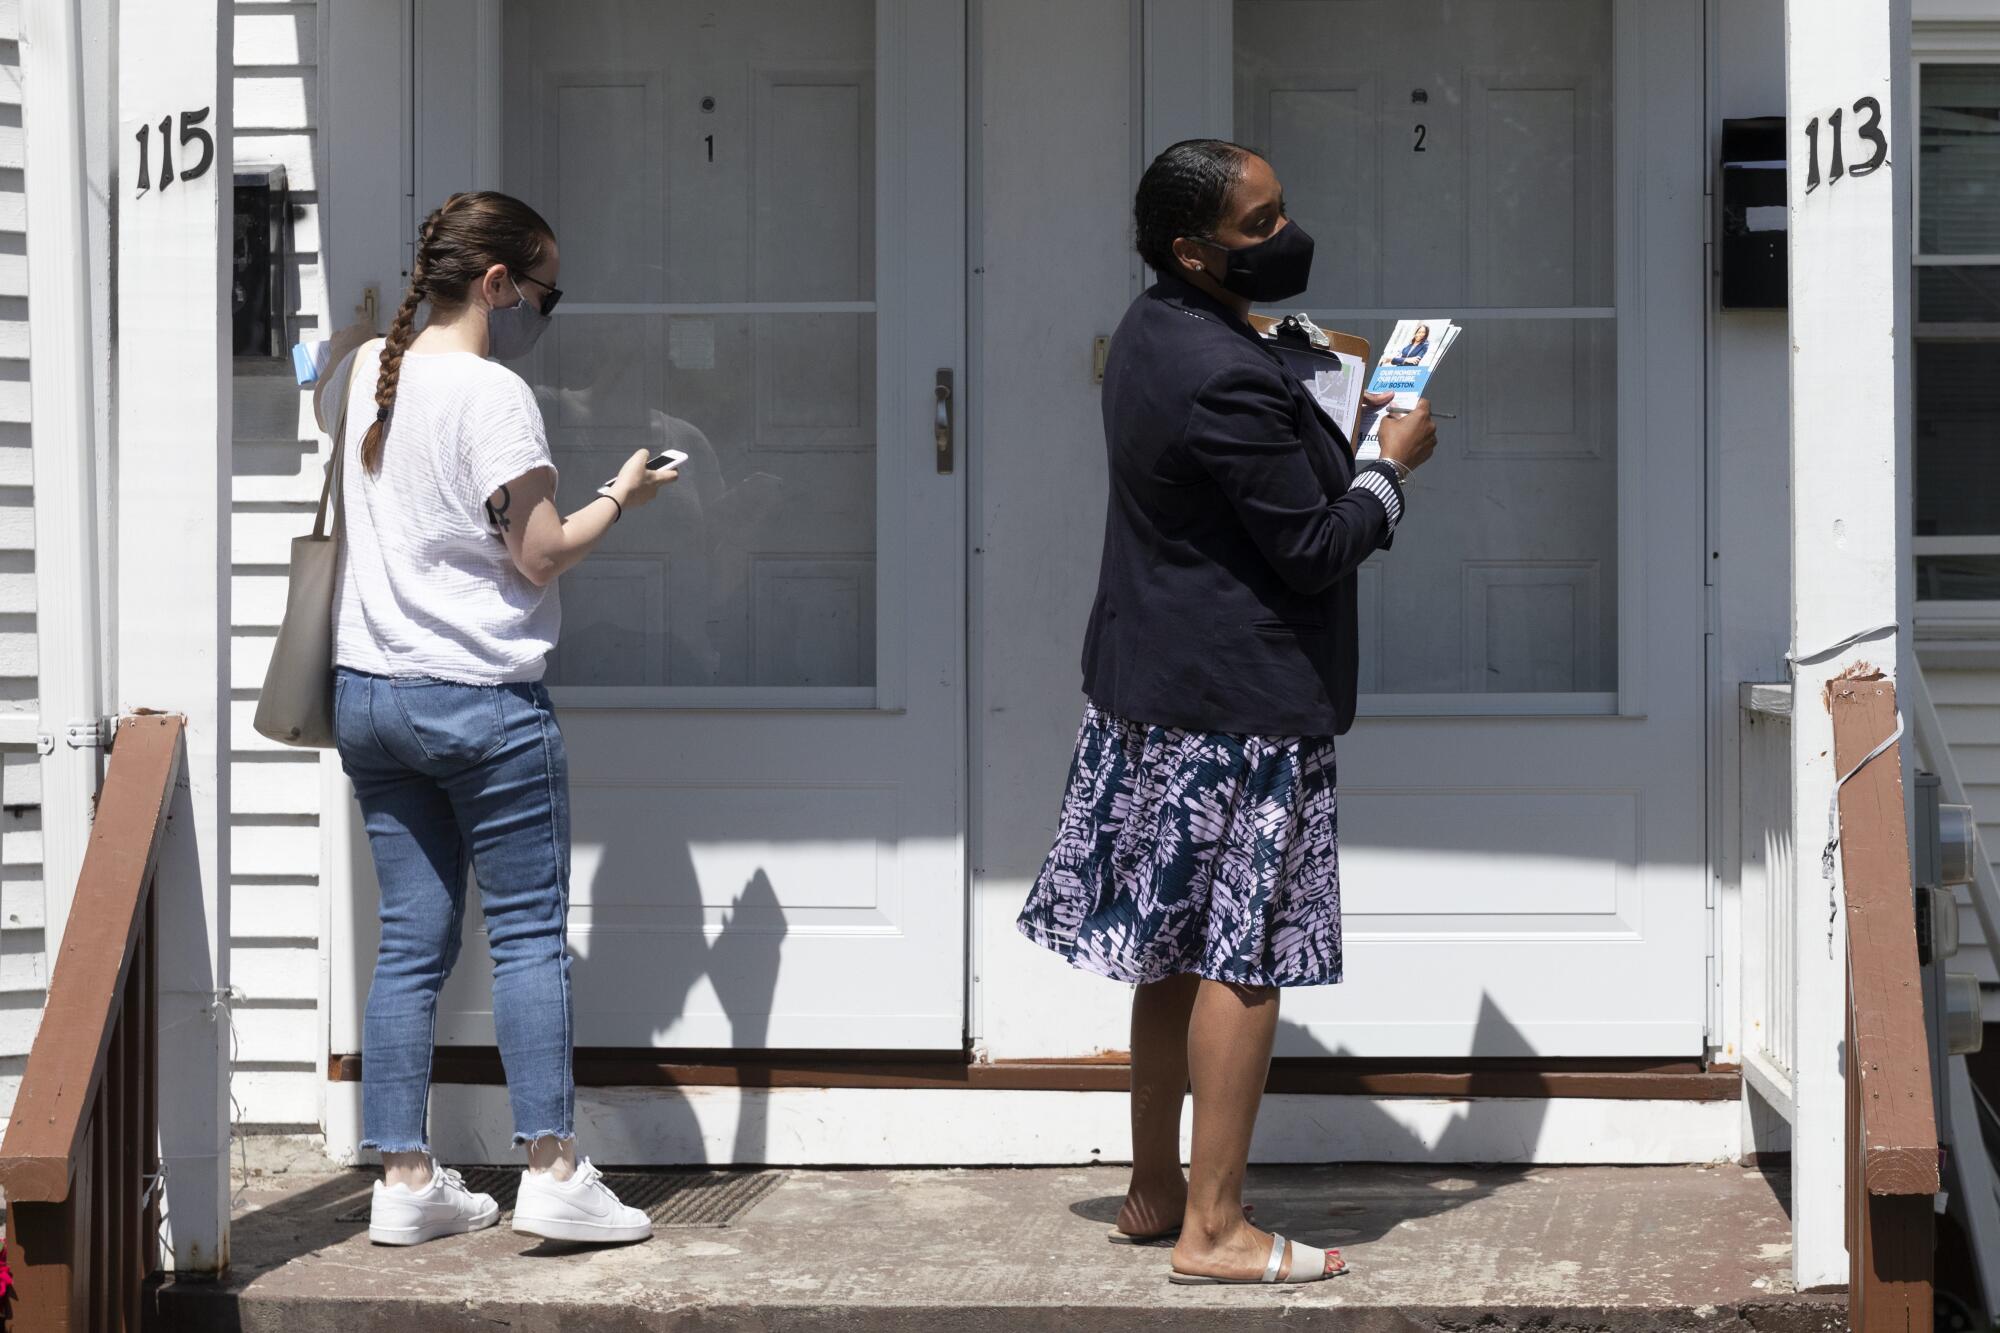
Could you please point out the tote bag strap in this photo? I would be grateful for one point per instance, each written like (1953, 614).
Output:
(330, 492)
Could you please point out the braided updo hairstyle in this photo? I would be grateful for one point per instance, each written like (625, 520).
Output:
(1184, 193)
(456, 245)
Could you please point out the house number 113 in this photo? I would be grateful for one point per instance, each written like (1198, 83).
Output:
(1870, 131)
(191, 133)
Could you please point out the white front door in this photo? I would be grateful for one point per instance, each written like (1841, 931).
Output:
(761, 676)
(1521, 812)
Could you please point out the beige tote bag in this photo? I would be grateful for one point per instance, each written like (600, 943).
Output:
(295, 707)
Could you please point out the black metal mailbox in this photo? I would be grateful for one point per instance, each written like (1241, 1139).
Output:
(1753, 214)
(261, 255)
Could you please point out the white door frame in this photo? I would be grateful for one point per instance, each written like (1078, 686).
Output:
(462, 151)
(1659, 229)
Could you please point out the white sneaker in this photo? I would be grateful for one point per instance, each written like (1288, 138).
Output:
(582, 1208)
(399, 1215)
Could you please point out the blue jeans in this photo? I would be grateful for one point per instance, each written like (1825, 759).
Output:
(450, 775)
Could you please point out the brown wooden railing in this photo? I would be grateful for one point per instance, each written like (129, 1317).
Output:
(81, 1157)
(1892, 1149)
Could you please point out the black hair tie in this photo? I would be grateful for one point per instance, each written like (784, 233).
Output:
(381, 414)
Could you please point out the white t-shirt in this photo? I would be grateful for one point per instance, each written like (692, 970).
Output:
(426, 585)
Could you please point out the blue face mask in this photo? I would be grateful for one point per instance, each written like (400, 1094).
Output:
(512, 331)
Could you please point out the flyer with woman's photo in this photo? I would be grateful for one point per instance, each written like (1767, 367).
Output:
(1413, 352)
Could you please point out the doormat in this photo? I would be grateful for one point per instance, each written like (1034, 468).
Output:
(671, 1197)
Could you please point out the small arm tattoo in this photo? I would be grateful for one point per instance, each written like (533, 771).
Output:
(497, 515)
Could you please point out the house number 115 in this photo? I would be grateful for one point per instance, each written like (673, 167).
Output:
(191, 133)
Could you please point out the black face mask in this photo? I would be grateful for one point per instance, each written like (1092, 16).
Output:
(1274, 269)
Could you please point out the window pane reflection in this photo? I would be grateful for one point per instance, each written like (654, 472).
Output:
(1463, 167)
(1957, 438)
(758, 566)
(1959, 160)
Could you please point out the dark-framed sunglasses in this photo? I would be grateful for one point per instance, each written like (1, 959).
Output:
(550, 301)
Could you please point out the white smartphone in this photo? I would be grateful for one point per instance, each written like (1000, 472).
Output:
(666, 458)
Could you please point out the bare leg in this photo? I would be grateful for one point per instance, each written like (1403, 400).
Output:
(1157, 1195)
(411, 1169)
(548, 1153)
(1229, 1057)
(555, 1156)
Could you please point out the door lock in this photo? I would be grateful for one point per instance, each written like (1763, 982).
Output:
(942, 425)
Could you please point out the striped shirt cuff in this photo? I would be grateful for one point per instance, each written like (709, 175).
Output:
(1378, 484)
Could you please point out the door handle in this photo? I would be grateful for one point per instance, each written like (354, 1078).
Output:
(941, 427)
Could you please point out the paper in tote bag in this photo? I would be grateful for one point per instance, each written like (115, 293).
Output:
(295, 707)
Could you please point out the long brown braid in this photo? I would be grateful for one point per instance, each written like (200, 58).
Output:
(457, 244)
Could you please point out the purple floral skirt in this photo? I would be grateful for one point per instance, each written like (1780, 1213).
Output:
(1189, 851)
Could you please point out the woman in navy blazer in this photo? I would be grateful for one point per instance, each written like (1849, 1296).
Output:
(1197, 857)
(1419, 347)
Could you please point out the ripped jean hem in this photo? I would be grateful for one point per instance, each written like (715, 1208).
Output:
(415, 1145)
(523, 1140)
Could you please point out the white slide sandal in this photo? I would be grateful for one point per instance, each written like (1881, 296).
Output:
(1308, 1265)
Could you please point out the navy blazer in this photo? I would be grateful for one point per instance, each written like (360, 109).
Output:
(1225, 601)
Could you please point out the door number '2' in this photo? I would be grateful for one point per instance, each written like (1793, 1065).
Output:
(1870, 130)
(191, 133)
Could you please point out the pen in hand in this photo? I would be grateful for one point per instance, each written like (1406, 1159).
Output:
(1395, 412)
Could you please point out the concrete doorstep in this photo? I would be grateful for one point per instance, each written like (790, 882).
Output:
(1432, 1248)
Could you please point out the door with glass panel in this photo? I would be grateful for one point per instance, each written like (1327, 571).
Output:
(1521, 814)
(1956, 533)
(760, 676)
(1957, 529)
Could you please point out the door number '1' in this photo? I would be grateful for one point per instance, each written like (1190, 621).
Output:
(191, 133)
(1870, 130)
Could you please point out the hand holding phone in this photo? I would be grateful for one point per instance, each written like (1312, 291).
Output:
(665, 460)
(641, 476)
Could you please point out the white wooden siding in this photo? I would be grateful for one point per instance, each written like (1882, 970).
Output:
(23, 963)
(1968, 705)
(274, 921)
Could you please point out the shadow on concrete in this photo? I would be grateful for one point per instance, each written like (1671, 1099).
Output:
(1345, 1213)
(311, 1220)
(1613, 1248)
(1778, 1177)
(1429, 1186)
(301, 1224)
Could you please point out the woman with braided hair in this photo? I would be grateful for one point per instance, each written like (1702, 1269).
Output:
(444, 611)
(1197, 857)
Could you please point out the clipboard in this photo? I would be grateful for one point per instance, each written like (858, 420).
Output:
(1310, 353)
